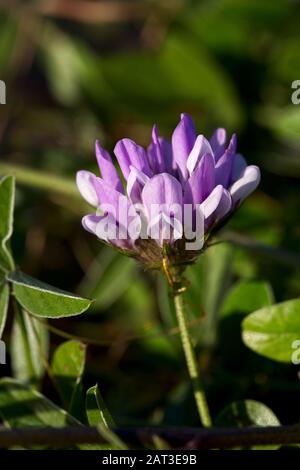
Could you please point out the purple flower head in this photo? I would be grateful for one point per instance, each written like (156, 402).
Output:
(172, 195)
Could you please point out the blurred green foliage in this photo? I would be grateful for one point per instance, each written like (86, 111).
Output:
(69, 81)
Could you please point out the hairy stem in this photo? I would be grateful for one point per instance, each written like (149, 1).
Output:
(190, 357)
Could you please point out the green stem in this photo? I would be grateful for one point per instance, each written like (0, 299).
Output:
(190, 357)
(40, 179)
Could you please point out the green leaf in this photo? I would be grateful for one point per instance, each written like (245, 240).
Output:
(99, 416)
(243, 298)
(96, 409)
(4, 301)
(67, 368)
(247, 413)
(7, 202)
(189, 68)
(108, 277)
(246, 297)
(68, 64)
(271, 331)
(21, 406)
(209, 280)
(43, 300)
(29, 348)
(284, 122)
(8, 38)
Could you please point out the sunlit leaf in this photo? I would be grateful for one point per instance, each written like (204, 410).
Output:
(43, 300)
(247, 413)
(272, 331)
(21, 406)
(96, 409)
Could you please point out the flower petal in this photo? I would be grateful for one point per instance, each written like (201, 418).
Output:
(107, 168)
(129, 154)
(246, 184)
(135, 184)
(201, 182)
(225, 164)
(224, 206)
(90, 222)
(164, 228)
(201, 147)
(160, 153)
(239, 166)
(211, 203)
(108, 230)
(218, 142)
(85, 184)
(162, 189)
(162, 199)
(183, 140)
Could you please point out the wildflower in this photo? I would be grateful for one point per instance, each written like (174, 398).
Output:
(174, 193)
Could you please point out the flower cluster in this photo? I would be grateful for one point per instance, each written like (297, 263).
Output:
(175, 193)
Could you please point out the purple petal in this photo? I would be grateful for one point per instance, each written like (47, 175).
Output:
(160, 153)
(201, 147)
(129, 154)
(218, 142)
(90, 222)
(246, 184)
(210, 204)
(107, 168)
(183, 140)
(216, 206)
(164, 228)
(225, 164)
(119, 211)
(135, 184)
(201, 182)
(110, 200)
(111, 231)
(239, 166)
(85, 184)
(162, 189)
(162, 199)
(224, 206)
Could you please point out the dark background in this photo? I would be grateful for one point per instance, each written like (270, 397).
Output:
(79, 70)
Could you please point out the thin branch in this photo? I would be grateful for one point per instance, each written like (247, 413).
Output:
(94, 12)
(278, 254)
(191, 438)
(126, 339)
